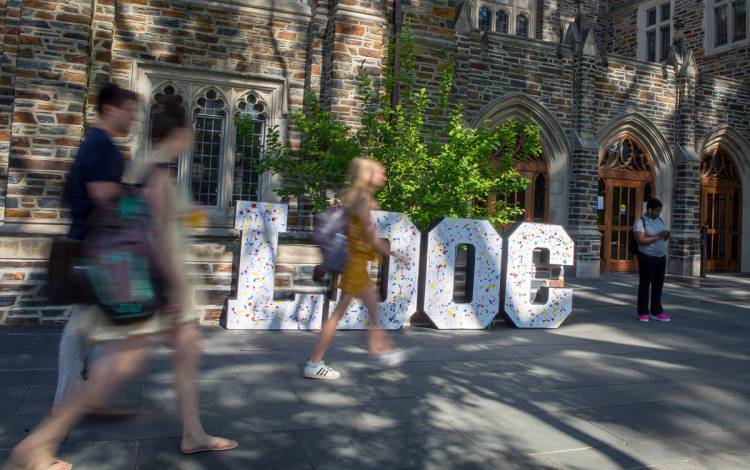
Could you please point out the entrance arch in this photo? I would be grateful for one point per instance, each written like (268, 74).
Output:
(651, 176)
(721, 201)
(737, 148)
(626, 182)
(556, 150)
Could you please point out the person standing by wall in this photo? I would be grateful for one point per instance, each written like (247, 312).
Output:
(651, 235)
(94, 178)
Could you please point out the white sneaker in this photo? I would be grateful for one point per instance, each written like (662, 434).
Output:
(396, 357)
(320, 371)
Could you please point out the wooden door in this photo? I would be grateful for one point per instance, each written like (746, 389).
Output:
(623, 203)
(720, 216)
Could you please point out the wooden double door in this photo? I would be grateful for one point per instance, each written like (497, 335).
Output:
(620, 202)
(720, 219)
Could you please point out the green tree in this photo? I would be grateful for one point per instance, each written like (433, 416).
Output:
(436, 164)
(319, 165)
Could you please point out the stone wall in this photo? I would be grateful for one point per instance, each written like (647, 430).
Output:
(689, 20)
(580, 75)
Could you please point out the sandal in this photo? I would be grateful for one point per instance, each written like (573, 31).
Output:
(56, 464)
(220, 446)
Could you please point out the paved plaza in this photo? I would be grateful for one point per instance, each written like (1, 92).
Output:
(601, 392)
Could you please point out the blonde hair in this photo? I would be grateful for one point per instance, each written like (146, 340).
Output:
(361, 170)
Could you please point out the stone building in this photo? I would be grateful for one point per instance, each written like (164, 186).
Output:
(635, 99)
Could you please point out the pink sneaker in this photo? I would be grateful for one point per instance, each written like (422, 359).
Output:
(643, 318)
(661, 317)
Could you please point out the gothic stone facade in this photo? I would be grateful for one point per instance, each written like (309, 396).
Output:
(668, 78)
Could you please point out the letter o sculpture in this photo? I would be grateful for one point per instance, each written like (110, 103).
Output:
(403, 278)
(439, 273)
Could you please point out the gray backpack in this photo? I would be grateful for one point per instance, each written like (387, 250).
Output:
(330, 234)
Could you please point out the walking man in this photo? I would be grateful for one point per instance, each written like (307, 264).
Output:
(94, 178)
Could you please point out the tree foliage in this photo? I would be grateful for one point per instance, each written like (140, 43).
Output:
(319, 165)
(436, 164)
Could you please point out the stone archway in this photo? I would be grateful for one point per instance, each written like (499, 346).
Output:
(644, 131)
(554, 142)
(737, 148)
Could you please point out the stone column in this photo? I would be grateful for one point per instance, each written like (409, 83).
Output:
(356, 36)
(685, 243)
(9, 30)
(100, 57)
(584, 169)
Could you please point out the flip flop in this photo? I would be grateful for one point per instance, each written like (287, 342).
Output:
(55, 465)
(230, 444)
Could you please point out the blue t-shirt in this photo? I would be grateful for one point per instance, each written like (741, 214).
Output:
(97, 160)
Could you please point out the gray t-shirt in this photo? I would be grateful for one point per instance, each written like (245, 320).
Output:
(653, 227)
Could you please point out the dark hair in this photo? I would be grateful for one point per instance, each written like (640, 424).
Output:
(164, 119)
(653, 203)
(113, 95)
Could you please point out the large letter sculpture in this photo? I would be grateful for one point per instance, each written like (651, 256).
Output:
(439, 271)
(255, 307)
(403, 277)
(520, 247)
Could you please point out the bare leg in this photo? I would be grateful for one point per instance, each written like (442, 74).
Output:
(126, 360)
(187, 350)
(70, 360)
(380, 342)
(325, 337)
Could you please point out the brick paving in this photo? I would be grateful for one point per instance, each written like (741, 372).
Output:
(601, 392)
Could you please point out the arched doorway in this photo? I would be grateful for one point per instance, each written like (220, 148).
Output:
(626, 182)
(556, 149)
(721, 201)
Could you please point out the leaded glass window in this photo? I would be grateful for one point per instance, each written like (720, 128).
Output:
(209, 118)
(522, 26)
(485, 18)
(501, 24)
(248, 150)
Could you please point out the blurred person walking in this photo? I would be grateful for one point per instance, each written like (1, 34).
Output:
(128, 344)
(94, 178)
(366, 176)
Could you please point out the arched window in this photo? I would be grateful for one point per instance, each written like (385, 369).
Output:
(209, 118)
(522, 25)
(167, 95)
(501, 23)
(251, 131)
(507, 16)
(533, 199)
(485, 18)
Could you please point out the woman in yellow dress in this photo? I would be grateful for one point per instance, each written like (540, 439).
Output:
(365, 177)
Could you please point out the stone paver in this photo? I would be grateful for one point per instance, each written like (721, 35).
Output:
(603, 391)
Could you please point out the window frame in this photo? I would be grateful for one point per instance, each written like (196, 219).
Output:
(709, 26)
(644, 29)
(148, 79)
(514, 9)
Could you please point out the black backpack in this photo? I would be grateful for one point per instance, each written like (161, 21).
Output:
(633, 246)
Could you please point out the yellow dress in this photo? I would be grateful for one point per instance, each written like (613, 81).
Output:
(356, 277)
